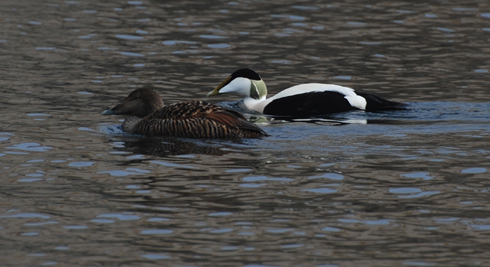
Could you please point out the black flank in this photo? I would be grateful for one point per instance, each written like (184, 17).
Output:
(309, 104)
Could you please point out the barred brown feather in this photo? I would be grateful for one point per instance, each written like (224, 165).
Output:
(194, 119)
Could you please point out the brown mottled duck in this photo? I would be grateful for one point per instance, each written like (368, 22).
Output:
(147, 115)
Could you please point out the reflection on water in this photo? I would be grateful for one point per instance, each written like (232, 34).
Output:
(169, 146)
(353, 189)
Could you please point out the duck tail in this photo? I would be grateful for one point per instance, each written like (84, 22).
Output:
(376, 103)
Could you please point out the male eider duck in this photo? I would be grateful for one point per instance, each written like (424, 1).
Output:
(194, 119)
(304, 100)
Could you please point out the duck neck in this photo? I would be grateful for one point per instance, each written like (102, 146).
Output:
(258, 90)
(129, 123)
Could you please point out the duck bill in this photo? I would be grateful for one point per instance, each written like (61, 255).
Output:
(112, 111)
(216, 90)
(108, 112)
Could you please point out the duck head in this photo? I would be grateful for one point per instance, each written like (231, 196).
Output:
(140, 103)
(243, 81)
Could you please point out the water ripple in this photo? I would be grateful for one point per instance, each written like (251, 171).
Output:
(30, 146)
(157, 232)
(129, 37)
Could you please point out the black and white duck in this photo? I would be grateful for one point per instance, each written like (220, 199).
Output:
(303, 100)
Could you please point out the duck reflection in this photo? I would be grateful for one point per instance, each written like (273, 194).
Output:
(167, 146)
(342, 118)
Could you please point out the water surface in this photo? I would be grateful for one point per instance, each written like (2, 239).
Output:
(382, 189)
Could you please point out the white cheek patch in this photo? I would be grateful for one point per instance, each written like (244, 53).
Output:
(239, 86)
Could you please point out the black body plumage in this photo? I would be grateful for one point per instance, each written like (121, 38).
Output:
(324, 103)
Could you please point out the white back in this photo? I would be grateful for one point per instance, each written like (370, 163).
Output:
(349, 93)
(315, 87)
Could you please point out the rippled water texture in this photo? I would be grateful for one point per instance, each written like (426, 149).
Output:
(407, 188)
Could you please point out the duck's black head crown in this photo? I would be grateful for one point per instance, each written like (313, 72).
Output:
(246, 73)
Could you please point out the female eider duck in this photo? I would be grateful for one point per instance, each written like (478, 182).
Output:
(195, 119)
(304, 100)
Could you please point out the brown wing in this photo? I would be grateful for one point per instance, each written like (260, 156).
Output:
(233, 119)
(198, 119)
